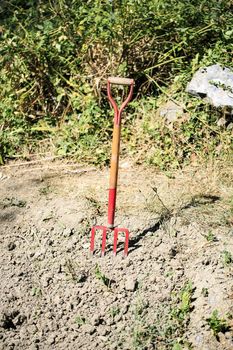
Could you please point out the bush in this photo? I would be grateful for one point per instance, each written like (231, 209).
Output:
(56, 55)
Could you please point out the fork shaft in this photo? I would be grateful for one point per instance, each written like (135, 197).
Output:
(111, 207)
(113, 174)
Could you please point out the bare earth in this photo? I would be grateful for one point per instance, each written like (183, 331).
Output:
(179, 270)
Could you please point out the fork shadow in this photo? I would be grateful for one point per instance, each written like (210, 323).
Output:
(134, 243)
(195, 201)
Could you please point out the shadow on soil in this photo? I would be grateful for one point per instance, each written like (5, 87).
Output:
(195, 201)
(134, 242)
(200, 200)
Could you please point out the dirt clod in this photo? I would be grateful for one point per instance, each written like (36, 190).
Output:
(131, 284)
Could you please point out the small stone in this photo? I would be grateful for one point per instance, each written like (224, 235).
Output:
(46, 279)
(57, 299)
(86, 245)
(11, 246)
(49, 242)
(32, 329)
(51, 339)
(109, 321)
(68, 232)
(206, 261)
(172, 252)
(95, 320)
(113, 346)
(124, 309)
(118, 318)
(221, 337)
(88, 328)
(103, 330)
(33, 347)
(228, 335)
(171, 111)
(131, 284)
(125, 165)
(121, 285)
(152, 279)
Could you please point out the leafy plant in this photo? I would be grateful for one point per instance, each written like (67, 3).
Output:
(210, 237)
(217, 324)
(184, 306)
(114, 311)
(36, 292)
(72, 271)
(45, 190)
(227, 258)
(205, 292)
(80, 320)
(100, 276)
(12, 202)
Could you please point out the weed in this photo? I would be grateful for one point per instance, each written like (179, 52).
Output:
(45, 190)
(72, 270)
(227, 258)
(166, 213)
(36, 292)
(177, 346)
(184, 303)
(84, 228)
(217, 324)
(210, 237)
(169, 325)
(95, 205)
(156, 205)
(100, 276)
(114, 311)
(12, 202)
(170, 273)
(144, 335)
(79, 320)
(205, 292)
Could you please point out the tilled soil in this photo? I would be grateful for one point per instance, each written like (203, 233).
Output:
(173, 291)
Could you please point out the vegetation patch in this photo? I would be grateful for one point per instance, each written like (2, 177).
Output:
(170, 324)
(56, 56)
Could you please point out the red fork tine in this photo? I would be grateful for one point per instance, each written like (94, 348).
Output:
(116, 232)
(104, 238)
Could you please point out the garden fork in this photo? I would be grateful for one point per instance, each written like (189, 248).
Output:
(114, 171)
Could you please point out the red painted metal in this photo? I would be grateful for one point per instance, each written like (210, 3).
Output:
(111, 206)
(104, 238)
(114, 172)
(116, 232)
(118, 111)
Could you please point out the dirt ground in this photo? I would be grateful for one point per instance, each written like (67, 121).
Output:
(173, 291)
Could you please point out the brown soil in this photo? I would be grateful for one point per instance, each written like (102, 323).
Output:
(179, 270)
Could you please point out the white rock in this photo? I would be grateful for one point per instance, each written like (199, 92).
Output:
(130, 284)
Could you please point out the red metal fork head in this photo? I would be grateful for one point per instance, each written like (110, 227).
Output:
(115, 231)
